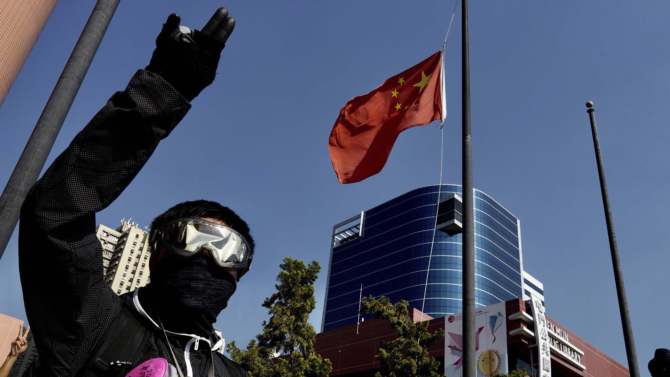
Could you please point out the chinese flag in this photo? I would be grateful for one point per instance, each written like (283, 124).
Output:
(368, 125)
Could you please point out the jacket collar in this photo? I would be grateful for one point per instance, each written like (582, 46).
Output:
(219, 344)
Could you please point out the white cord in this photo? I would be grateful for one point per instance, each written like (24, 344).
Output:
(451, 23)
(439, 190)
(437, 212)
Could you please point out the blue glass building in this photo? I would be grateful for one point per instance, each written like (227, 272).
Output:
(387, 251)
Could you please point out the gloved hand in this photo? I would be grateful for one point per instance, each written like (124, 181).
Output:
(188, 59)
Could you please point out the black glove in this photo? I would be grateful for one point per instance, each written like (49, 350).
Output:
(188, 60)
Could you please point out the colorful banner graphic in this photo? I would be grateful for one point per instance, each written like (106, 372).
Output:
(490, 342)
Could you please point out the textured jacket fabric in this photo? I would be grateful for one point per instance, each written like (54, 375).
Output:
(71, 311)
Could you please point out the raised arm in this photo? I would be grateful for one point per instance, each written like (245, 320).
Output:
(67, 302)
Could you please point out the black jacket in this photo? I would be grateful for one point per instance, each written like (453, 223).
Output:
(80, 326)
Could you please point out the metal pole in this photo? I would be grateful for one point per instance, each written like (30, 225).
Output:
(49, 124)
(360, 299)
(618, 276)
(469, 367)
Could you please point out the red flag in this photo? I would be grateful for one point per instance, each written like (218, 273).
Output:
(368, 125)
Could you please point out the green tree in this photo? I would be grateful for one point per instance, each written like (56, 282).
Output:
(286, 345)
(407, 355)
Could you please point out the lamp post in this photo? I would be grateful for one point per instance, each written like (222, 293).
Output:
(618, 276)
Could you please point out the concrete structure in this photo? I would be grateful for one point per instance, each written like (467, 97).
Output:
(109, 238)
(21, 22)
(125, 257)
(353, 351)
(532, 285)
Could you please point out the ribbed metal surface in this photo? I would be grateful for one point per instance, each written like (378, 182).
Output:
(21, 22)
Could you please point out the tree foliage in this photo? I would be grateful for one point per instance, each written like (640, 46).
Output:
(407, 355)
(286, 345)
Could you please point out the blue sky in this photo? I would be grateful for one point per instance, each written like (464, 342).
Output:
(256, 140)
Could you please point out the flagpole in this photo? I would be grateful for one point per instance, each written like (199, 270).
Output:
(618, 276)
(468, 257)
(360, 299)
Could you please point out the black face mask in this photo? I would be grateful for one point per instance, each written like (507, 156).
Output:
(188, 293)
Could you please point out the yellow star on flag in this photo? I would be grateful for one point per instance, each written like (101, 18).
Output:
(423, 83)
(394, 93)
(398, 106)
(401, 81)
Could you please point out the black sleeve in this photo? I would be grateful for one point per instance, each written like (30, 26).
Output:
(67, 302)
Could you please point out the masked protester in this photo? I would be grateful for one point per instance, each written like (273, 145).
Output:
(200, 249)
(659, 366)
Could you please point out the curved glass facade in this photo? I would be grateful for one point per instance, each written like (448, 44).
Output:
(387, 252)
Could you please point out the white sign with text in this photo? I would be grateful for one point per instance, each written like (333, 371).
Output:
(541, 336)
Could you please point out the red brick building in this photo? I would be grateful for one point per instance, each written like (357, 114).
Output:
(353, 351)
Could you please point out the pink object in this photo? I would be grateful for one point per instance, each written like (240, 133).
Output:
(456, 345)
(156, 367)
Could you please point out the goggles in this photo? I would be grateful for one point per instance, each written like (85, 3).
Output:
(188, 236)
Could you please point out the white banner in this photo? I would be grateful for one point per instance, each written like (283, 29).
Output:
(541, 336)
(490, 342)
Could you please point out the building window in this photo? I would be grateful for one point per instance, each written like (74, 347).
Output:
(349, 230)
(450, 215)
